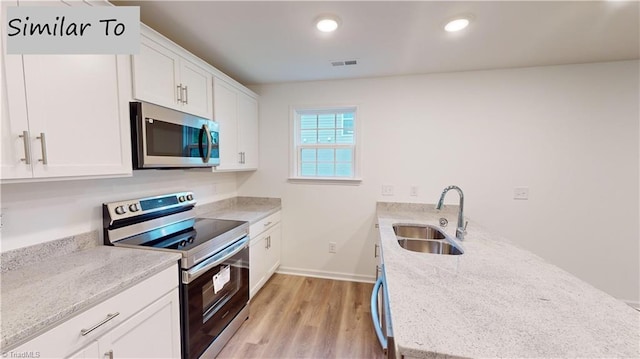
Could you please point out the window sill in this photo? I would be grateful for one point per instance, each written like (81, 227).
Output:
(326, 180)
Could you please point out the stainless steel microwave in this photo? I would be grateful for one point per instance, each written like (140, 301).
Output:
(166, 138)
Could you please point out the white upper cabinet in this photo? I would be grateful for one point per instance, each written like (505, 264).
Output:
(248, 130)
(163, 77)
(65, 115)
(237, 113)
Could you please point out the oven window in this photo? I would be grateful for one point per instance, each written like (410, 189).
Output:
(220, 290)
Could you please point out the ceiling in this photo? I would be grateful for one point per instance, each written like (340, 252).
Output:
(276, 41)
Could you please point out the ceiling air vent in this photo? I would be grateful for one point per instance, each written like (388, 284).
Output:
(344, 63)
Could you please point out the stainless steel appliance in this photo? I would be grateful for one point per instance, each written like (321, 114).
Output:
(166, 138)
(380, 315)
(214, 269)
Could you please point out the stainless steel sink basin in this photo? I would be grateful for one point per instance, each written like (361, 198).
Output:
(418, 231)
(429, 246)
(425, 238)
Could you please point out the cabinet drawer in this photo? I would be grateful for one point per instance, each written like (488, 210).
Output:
(264, 224)
(67, 338)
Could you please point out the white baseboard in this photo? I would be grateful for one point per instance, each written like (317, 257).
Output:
(326, 275)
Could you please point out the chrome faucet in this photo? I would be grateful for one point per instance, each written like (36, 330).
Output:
(461, 228)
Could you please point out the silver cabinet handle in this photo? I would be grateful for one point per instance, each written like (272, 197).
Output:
(27, 147)
(43, 144)
(240, 160)
(186, 95)
(110, 316)
(179, 93)
(266, 243)
(109, 354)
(267, 224)
(375, 251)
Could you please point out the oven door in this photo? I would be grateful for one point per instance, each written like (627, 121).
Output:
(214, 291)
(167, 138)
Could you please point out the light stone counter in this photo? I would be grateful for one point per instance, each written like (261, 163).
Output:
(41, 289)
(495, 300)
(251, 209)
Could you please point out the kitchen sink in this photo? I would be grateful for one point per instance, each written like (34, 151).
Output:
(425, 238)
(429, 246)
(418, 231)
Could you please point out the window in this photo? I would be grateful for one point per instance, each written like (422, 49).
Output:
(325, 144)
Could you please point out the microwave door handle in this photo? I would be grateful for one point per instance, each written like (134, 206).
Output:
(206, 158)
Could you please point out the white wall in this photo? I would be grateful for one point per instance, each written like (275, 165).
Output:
(569, 133)
(39, 212)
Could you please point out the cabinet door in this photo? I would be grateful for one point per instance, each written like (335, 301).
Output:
(155, 75)
(152, 333)
(248, 130)
(225, 112)
(273, 251)
(74, 100)
(197, 89)
(91, 351)
(14, 113)
(257, 263)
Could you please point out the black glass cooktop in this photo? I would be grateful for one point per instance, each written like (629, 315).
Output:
(196, 233)
(203, 230)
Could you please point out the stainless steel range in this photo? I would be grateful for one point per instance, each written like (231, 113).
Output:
(214, 267)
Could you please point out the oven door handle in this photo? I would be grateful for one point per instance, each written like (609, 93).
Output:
(203, 267)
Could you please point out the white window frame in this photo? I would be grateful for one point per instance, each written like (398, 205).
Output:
(294, 148)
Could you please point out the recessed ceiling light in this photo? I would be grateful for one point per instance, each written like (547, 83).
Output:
(457, 24)
(327, 23)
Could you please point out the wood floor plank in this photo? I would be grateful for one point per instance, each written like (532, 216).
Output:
(301, 317)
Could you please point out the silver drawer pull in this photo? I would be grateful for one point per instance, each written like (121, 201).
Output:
(109, 354)
(267, 224)
(110, 316)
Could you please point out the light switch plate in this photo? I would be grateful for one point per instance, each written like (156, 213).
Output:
(521, 193)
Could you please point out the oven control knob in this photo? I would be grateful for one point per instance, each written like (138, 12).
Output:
(121, 210)
(134, 207)
(190, 197)
(181, 199)
(183, 243)
(190, 240)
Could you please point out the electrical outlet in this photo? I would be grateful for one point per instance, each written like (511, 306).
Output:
(413, 191)
(332, 247)
(521, 193)
(387, 190)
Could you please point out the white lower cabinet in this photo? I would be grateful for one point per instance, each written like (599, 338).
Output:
(264, 251)
(141, 322)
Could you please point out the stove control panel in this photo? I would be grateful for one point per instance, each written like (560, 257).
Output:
(136, 207)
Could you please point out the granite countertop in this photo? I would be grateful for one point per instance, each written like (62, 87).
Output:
(250, 209)
(495, 300)
(39, 295)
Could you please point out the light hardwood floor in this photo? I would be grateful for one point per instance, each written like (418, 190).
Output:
(301, 317)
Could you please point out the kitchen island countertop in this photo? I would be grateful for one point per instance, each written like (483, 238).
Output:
(495, 300)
